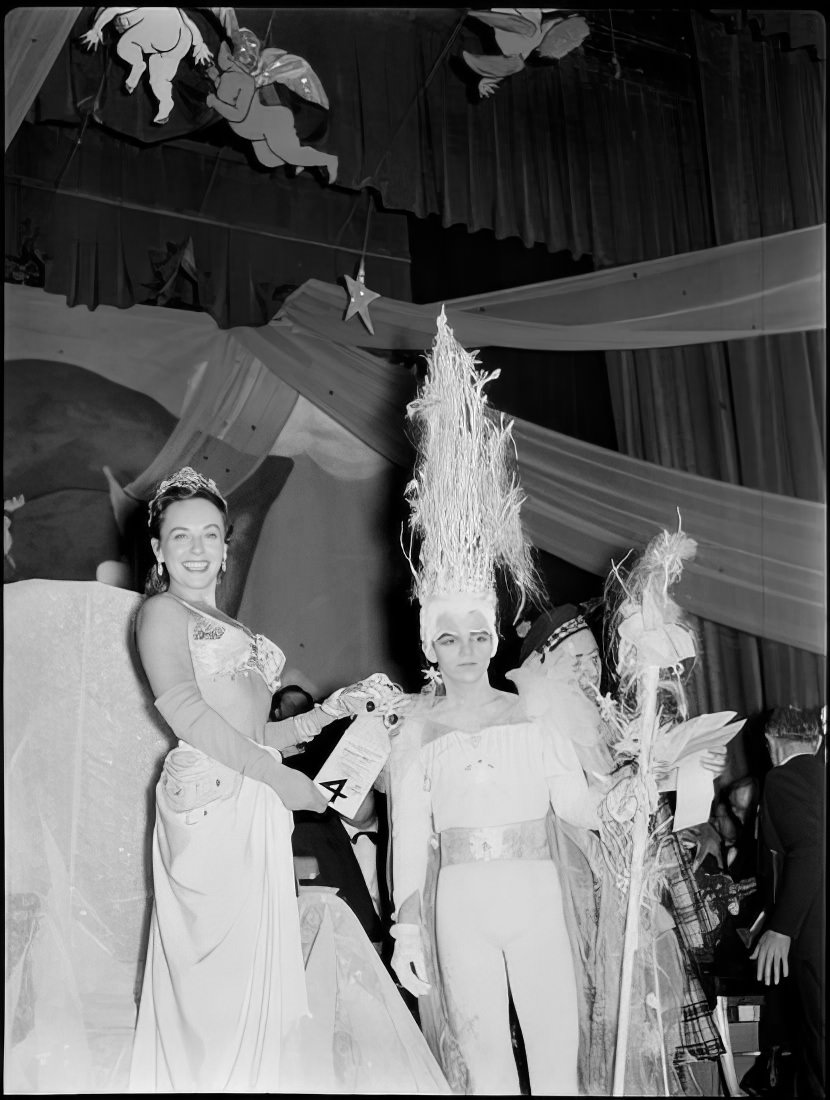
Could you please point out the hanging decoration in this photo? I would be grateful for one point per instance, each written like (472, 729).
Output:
(520, 33)
(164, 36)
(240, 75)
(360, 297)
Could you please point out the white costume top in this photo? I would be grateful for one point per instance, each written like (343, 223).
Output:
(506, 773)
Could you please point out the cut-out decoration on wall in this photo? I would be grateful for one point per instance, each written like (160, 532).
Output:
(521, 32)
(10, 505)
(164, 36)
(239, 76)
(176, 277)
(360, 298)
(28, 267)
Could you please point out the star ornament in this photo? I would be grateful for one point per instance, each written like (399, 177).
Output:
(360, 298)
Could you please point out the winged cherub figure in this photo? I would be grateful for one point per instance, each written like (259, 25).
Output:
(164, 36)
(521, 32)
(240, 75)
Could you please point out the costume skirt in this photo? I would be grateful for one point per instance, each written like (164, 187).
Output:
(224, 985)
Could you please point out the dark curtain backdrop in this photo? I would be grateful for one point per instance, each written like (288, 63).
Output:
(119, 208)
(749, 412)
(545, 159)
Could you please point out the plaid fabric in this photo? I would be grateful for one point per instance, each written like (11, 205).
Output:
(696, 927)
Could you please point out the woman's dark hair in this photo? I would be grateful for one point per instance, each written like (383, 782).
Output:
(156, 582)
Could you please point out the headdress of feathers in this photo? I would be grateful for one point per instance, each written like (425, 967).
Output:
(465, 498)
(647, 626)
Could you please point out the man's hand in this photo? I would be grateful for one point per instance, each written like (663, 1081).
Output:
(707, 841)
(714, 760)
(771, 951)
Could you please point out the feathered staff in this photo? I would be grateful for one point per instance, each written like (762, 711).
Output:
(652, 734)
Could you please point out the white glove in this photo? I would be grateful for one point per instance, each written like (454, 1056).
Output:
(408, 956)
(308, 724)
(375, 694)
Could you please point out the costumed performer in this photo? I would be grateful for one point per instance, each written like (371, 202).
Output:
(224, 983)
(478, 898)
(561, 664)
(654, 740)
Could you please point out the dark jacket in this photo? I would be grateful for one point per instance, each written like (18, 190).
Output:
(324, 837)
(793, 813)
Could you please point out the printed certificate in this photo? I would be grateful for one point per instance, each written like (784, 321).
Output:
(356, 762)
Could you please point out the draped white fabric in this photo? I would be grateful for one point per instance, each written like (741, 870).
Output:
(165, 354)
(736, 291)
(82, 752)
(761, 557)
(234, 412)
(761, 566)
(32, 40)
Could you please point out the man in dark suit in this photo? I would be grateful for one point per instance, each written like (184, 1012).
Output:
(350, 854)
(793, 816)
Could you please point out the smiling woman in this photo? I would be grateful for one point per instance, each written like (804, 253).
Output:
(192, 547)
(218, 978)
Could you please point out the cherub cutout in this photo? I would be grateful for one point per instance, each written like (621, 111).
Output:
(164, 35)
(240, 75)
(521, 32)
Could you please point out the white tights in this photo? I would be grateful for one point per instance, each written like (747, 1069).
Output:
(497, 922)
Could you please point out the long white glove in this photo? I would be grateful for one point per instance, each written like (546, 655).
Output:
(299, 728)
(376, 693)
(408, 956)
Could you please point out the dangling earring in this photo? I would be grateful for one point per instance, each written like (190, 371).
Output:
(160, 568)
(224, 565)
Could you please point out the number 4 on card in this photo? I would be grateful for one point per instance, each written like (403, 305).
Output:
(336, 787)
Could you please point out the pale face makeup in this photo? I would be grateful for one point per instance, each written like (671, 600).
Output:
(463, 644)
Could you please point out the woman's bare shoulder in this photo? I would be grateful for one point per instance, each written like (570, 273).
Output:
(159, 612)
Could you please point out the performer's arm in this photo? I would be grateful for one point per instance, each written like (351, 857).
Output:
(411, 810)
(162, 636)
(571, 797)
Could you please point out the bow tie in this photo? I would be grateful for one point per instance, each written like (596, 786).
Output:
(372, 836)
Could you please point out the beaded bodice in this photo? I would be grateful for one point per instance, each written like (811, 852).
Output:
(223, 650)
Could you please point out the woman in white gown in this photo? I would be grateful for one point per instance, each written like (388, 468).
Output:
(224, 984)
(233, 955)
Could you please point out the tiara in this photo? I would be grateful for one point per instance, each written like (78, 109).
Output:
(186, 478)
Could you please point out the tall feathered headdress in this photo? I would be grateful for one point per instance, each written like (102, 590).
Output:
(465, 498)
